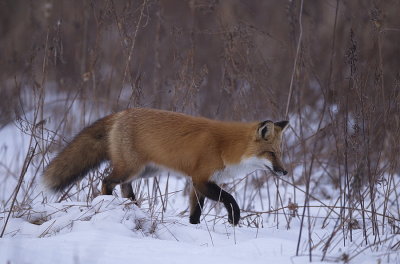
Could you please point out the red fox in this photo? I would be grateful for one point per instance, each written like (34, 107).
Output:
(139, 142)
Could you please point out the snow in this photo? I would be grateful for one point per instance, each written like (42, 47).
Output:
(99, 247)
(111, 229)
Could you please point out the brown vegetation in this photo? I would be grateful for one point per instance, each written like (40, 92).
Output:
(332, 67)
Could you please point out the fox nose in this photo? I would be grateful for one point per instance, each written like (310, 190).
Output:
(280, 170)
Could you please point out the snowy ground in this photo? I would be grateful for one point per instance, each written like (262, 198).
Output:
(113, 230)
(109, 229)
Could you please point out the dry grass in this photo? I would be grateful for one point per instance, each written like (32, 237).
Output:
(335, 75)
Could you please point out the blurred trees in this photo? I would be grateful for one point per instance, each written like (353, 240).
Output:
(221, 59)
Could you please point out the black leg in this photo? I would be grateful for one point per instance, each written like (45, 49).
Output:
(214, 192)
(127, 191)
(111, 181)
(107, 186)
(196, 206)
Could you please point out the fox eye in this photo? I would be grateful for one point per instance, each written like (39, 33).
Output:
(272, 154)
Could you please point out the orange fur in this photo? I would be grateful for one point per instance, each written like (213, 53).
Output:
(194, 146)
(136, 139)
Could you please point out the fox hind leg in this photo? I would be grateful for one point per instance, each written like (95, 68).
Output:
(196, 206)
(126, 188)
(117, 176)
(111, 181)
(127, 191)
(108, 185)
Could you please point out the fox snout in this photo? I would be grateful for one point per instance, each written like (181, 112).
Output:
(279, 171)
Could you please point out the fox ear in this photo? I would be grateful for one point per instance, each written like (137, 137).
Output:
(282, 124)
(265, 129)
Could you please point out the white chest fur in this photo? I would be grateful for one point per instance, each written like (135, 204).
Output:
(245, 167)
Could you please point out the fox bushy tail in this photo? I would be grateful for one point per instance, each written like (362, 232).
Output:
(86, 151)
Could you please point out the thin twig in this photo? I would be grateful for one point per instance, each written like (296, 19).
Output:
(29, 156)
(295, 61)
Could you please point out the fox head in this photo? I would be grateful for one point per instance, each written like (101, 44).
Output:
(265, 148)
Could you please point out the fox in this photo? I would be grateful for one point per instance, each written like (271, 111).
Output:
(141, 142)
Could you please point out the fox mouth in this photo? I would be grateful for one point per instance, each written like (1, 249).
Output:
(276, 173)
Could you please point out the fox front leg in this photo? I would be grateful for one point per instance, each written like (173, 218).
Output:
(214, 192)
(196, 206)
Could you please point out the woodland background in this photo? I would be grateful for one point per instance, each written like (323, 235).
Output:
(336, 71)
(330, 67)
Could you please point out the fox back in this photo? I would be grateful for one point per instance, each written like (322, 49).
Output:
(140, 142)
